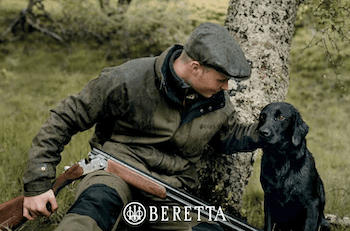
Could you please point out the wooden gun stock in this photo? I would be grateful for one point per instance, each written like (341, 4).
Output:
(11, 212)
(136, 180)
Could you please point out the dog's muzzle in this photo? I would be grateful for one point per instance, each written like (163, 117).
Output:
(264, 133)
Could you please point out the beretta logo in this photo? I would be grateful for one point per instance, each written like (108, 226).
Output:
(135, 213)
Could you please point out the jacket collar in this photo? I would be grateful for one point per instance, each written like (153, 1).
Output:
(172, 85)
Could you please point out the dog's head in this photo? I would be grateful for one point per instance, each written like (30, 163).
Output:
(280, 123)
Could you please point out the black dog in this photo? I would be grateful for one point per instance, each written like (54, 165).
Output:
(294, 194)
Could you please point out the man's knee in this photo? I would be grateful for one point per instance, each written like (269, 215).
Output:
(100, 202)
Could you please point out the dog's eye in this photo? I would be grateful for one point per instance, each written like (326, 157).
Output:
(262, 117)
(281, 117)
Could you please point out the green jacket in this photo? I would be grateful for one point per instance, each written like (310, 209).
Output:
(139, 107)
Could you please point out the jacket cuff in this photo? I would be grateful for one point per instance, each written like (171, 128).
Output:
(37, 187)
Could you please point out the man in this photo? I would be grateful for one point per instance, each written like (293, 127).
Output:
(157, 114)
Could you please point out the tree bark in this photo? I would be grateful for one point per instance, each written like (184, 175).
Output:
(264, 29)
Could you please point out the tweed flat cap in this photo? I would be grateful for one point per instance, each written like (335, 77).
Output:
(213, 46)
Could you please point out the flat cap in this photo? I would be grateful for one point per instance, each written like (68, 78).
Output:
(213, 46)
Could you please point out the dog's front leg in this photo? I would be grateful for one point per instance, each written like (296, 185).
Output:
(311, 222)
(268, 220)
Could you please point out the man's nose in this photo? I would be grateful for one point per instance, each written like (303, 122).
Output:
(225, 86)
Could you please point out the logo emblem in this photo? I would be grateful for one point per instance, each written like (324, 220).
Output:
(134, 213)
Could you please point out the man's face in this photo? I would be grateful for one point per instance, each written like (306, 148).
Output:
(209, 82)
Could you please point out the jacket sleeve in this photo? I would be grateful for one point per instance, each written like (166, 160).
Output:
(236, 137)
(74, 114)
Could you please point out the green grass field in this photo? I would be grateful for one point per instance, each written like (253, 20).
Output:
(35, 76)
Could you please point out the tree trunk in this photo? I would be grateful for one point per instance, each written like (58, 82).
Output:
(264, 30)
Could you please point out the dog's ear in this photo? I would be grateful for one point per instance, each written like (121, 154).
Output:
(300, 129)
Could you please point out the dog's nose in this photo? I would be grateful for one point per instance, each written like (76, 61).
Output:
(264, 133)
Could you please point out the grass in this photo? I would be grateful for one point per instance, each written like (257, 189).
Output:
(35, 76)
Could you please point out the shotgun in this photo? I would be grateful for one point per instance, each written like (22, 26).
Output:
(11, 212)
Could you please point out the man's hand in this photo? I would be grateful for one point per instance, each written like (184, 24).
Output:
(36, 206)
